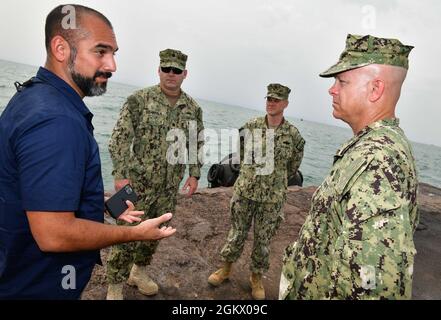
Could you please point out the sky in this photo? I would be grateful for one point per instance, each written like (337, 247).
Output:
(237, 47)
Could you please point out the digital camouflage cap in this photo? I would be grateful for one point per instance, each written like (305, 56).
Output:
(173, 58)
(278, 91)
(364, 50)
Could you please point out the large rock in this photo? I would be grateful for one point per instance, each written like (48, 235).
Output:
(183, 262)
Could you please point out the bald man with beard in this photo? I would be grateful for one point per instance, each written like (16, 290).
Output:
(357, 240)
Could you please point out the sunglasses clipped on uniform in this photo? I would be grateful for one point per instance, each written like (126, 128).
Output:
(170, 69)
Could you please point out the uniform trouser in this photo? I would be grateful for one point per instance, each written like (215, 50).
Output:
(122, 256)
(267, 218)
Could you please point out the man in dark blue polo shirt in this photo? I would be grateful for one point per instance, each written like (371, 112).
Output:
(51, 189)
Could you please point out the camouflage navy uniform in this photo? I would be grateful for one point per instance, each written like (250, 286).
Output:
(261, 197)
(357, 241)
(138, 148)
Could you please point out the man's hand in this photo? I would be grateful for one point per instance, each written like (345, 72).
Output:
(150, 229)
(63, 232)
(191, 185)
(130, 215)
(119, 184)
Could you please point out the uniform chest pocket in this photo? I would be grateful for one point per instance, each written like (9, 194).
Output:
(149, 129)
(362, 195)
(188, 116)
(186, 119)
(327, 200)
(347, 173)
(149, 135)
(283, 150)
(155, 119)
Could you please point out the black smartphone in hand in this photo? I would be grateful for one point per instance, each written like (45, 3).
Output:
(116, 205)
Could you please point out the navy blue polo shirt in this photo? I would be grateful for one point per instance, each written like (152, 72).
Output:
(49, 161)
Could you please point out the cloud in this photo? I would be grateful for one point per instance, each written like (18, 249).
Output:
(236, 48)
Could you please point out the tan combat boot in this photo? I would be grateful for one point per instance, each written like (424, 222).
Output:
(139, 278)
(115, 291)
(216, 278)
(257, 290)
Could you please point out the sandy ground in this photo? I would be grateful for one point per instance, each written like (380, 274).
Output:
(183, 262)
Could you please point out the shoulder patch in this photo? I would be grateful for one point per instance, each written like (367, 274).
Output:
(301, 144)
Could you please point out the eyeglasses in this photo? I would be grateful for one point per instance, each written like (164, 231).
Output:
(170, 69)
(270, 99)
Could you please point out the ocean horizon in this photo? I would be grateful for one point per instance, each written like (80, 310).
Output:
(322, 140)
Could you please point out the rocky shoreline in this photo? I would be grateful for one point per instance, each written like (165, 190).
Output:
(183, 262)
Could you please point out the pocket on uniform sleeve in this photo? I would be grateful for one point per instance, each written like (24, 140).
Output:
(367, 271)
